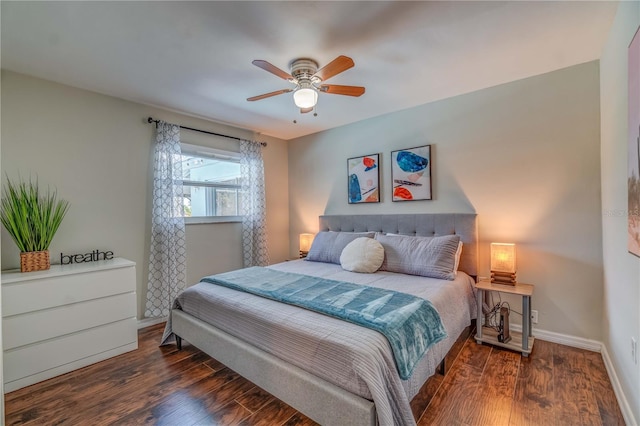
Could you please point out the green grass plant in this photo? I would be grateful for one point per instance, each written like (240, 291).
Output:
(32, 218)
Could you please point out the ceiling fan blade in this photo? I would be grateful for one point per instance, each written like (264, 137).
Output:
(336, 89)
(305, 110)
(268, 95)
(272, 69)
(338, 65)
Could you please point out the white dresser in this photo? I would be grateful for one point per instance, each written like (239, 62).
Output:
(65, 318)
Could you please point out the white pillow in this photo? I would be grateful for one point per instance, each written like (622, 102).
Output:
(362, 255)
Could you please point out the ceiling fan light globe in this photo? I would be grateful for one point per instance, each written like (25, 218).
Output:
(305, 97)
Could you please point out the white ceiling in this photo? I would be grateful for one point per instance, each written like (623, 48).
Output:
(195, 57)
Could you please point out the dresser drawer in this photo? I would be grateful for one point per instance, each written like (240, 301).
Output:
(40, 357)
(33, 327)
(34, 295)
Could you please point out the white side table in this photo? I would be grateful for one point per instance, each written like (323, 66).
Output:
(521, 342)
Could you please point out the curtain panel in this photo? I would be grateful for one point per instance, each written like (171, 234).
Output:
(168, 254)
(253, 205)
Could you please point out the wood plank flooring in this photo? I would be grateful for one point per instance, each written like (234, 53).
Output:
(484, 385)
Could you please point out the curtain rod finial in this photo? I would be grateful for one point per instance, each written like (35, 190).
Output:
(150, 120)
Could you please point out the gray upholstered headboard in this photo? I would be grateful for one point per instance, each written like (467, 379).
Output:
(422, 225)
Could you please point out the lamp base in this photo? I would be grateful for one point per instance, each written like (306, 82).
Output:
(503, 278)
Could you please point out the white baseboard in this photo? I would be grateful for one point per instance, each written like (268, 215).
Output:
(594, 346)
(617, 389)
(148, 322)
(563, 339)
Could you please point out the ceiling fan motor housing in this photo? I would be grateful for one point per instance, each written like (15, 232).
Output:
(303, 70)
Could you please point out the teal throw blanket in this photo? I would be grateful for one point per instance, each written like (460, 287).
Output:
(411, 324)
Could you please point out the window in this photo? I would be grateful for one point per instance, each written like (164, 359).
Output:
(211, 184)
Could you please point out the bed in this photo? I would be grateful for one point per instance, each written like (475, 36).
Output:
(333, 371)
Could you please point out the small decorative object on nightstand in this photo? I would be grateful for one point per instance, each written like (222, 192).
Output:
(503, 263)
(521, 342)
(305, 244)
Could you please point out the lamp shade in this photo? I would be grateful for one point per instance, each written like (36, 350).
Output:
(305, 242)
(305, 97)
(503, 257)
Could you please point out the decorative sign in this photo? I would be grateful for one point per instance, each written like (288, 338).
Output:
(93, 256)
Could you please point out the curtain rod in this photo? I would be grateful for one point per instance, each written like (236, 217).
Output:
(151, 120)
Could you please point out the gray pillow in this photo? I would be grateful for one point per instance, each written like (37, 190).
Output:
(327, 246)
(426, 256)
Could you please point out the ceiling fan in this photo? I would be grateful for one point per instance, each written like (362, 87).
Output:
(308, 80)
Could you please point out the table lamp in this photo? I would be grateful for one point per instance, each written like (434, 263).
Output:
(503, 263)
(305, 244)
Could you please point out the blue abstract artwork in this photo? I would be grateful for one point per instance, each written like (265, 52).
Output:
(411, 174)
(355, 194)
(410, 162)
(363, 179)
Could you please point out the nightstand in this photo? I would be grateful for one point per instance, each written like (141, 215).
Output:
(521, 342)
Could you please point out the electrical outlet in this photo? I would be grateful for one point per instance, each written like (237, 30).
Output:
(634, 350)
(534, 316)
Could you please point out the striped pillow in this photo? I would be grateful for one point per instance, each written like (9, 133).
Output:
(425, 256)
(327, 246)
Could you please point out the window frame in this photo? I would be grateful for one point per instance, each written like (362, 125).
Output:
(215, 153)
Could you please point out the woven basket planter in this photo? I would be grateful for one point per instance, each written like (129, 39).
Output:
(34, 261)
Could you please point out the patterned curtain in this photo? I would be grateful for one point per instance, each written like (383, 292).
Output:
(167, 260)
(253, 205)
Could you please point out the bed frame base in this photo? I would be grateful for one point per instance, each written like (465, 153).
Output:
(318, 399)
(306, 393)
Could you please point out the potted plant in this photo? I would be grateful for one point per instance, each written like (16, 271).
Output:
(32, 219)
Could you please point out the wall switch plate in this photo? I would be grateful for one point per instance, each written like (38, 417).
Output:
(534, 316)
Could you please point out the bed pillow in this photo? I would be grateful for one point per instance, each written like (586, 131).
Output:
(327, 246)
(363, 255)
(458, 252)
(426, 256)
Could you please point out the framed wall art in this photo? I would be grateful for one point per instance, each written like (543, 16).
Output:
(363, 179)
(411, 173)
(633, 148)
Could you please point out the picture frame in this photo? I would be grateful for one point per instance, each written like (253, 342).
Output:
(363, 179)
(411, 174)
(633, 147)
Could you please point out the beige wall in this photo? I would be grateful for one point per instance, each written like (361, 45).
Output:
(524, 156)
(621, 320)
(96, 150)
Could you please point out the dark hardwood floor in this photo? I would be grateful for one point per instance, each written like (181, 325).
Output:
(484, 385)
